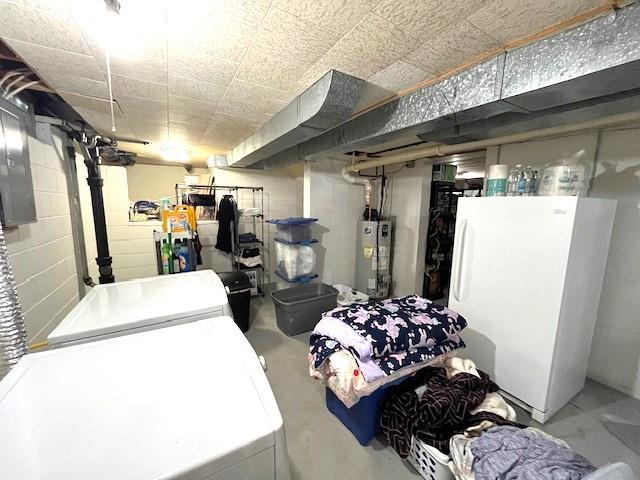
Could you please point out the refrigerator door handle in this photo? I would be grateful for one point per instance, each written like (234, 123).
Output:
(460, 259)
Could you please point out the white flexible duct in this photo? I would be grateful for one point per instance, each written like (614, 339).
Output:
(21, 88)
(442, 150)
(13, 334)
(348, 176)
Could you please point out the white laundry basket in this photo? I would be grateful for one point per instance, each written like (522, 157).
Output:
(430, 462)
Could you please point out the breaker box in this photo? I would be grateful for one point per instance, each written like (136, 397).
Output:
(17, 204)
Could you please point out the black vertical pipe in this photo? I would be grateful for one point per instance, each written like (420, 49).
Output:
(95, 181)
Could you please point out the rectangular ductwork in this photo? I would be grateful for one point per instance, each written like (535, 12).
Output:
(590, 71)
(327, 103)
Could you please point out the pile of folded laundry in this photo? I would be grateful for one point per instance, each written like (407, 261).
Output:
(359, 348)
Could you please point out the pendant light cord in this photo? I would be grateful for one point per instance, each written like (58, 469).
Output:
(113, 119)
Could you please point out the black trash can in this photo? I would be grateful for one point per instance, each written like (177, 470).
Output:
(238, 289)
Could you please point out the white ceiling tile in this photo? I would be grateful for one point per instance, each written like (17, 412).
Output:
(66, 64)
(189, 105)
(188, 118)
(131, 87)
(339, 16)
(196, 66)
(95, 104)
(150, 132)
(284, 34)
(40, 27)
(458, 43)
(56, 6)
(73, 84)
(506, 20)
(226, 131)
(277, 72)
(373, 45)
(241, 91)
(399, 75)
(200, 30)
(196, 90)
(250, 12)
(147, 68)
(248, 111)
(426, 17)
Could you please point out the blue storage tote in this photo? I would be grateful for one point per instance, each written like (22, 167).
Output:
(293, 230)
(362, 418)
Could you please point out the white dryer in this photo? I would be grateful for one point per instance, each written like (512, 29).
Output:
(186, 402)
(121, 308)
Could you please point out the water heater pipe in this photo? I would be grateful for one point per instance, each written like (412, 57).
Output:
(442, 150)
(348, 176)
(13, 334)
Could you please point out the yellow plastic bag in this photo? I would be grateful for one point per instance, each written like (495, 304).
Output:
(180, 219)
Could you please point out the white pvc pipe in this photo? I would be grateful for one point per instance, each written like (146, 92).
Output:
(442, 150)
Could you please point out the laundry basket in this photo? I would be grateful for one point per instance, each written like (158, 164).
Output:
(430, 462)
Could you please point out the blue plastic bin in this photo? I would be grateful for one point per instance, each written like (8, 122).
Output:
(362, 418)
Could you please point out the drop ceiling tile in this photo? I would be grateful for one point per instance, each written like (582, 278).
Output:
(506, 20)
(55, 6)
(40, 27)
(339, 16)
(457, 44)
(248, 111)
(373, 45)
(276, 72)
(226, 132)
(77, 85)
(132, 87)
(241, 91)
(199, 67)
(89, 103)
(150, 68)
(250, 12)
(427, 17)
(190, 106)
(188, 118)
(150, 132)
(284, 34)
(200, 30)
(139, 106)
(196, 90)
(399, 75)
(65, 64)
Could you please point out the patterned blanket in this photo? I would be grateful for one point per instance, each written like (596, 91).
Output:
(386, 336)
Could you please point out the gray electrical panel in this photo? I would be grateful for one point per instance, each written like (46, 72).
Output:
(373, 258)
(16, 186)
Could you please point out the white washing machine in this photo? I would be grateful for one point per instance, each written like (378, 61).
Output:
(186, 402)
(122, 308)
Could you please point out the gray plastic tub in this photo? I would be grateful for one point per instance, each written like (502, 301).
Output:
(298, 309)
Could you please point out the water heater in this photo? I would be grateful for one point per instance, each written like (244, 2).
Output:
(373, 258)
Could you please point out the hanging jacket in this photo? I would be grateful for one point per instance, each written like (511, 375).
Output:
(227, 239)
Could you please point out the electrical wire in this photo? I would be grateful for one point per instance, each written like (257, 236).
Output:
(21, 88)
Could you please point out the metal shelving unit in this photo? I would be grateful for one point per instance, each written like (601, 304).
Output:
(246, 197)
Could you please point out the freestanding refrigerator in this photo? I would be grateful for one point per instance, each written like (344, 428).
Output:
(122, 308)
(185, 402)
(527, 274)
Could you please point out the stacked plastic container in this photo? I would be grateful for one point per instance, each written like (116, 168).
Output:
(295, 254)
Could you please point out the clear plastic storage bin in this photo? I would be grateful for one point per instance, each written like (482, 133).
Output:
(294, 260)
(293, 230)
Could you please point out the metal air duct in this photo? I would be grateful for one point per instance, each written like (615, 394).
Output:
(13, 334)
(328, 102)
(588, 72)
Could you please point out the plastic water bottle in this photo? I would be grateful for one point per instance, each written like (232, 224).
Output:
(520, 182)
(531, 181)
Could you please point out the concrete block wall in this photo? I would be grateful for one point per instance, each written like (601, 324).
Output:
(42, 254)
(615, 350)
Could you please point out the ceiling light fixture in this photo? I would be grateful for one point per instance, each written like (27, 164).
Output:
(174, 154)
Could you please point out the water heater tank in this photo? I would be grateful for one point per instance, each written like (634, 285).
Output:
(373, 258)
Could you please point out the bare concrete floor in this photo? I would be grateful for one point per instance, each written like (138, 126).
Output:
(320, 447)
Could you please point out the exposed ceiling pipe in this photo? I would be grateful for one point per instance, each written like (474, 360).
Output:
(21, 88)
(442, 150)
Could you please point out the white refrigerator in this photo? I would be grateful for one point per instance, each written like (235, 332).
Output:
(527, 274)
